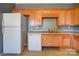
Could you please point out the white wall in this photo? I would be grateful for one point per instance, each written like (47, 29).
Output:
(51, 5)
(6, 7)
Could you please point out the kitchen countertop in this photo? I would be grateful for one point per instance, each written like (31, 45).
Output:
(63, 32)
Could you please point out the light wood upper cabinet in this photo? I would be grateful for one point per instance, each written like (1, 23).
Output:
(38, 19)
(68, 17)
(65, 18)
(76, 16)
(32, 20)
(35, 19)
(61, 18)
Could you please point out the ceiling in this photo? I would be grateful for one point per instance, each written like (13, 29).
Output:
(44, 5)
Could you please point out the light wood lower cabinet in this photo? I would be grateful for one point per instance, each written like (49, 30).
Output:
(61, 40)
(51, 40)
(56, 40)
(67, 40)
(78, 45)
(75, 42)
(46, 40)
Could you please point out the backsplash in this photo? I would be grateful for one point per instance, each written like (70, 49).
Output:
(69, 28)
(47, 24)
(51, 24)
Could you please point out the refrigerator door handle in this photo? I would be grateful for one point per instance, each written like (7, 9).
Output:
(2, 27)
(2, 30)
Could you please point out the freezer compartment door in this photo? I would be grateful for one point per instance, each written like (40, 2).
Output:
(11, 19)
(12, 40)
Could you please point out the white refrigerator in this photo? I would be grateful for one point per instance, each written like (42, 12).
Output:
(13, 29)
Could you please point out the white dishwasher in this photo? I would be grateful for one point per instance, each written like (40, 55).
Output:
(34, 42)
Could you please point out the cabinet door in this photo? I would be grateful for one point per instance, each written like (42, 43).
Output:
(32, 20)
(61, 18)
(52, 40)
(38, 20)
(56, 40)
(46, 40)
(66, 40)
(76, 38)
(35, 20)
(76, 16)
(68, 17)
(74, 42)
(78, 44)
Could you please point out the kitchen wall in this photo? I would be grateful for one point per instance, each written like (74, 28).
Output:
(6, 7)
(47, 24)
(47, 5)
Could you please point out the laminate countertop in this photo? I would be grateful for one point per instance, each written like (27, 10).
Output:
(54, 33)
